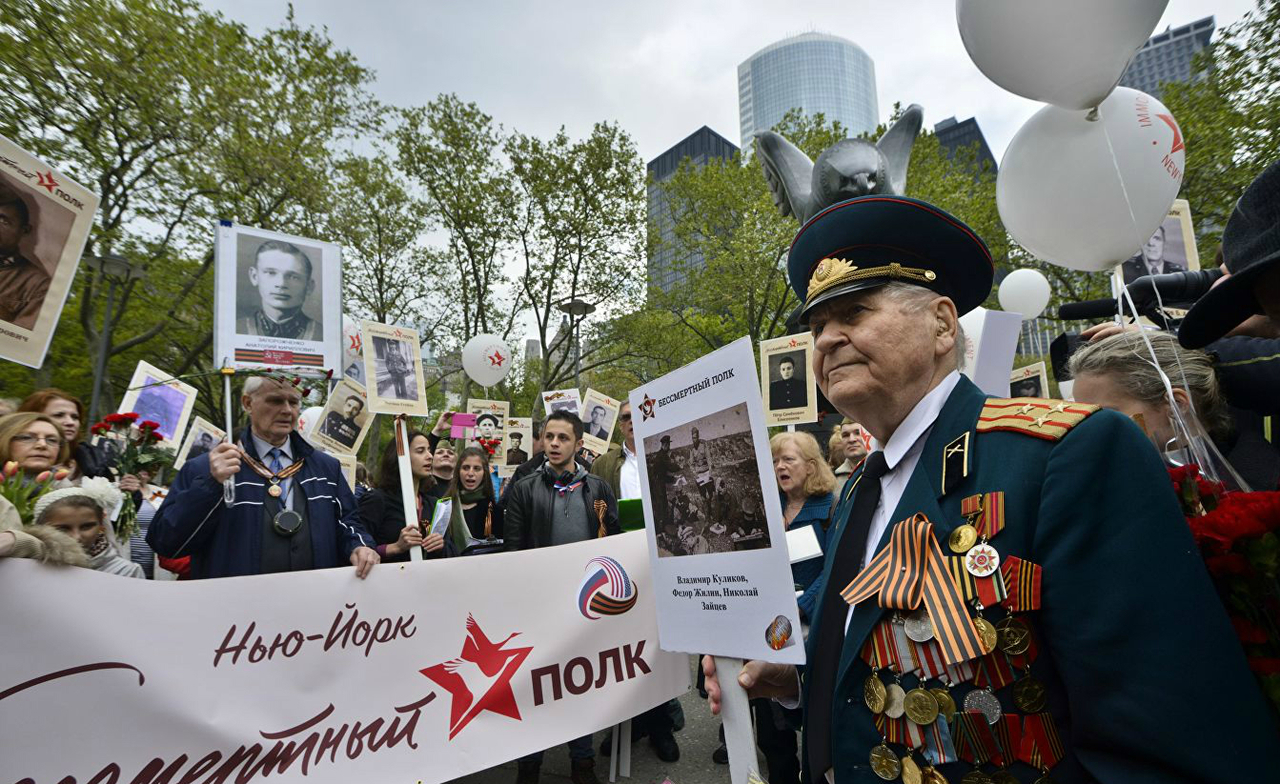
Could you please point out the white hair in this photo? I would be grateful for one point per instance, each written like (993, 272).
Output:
(255, 383)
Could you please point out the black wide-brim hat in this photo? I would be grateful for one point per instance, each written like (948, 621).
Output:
(869, 241)
(1250, 249)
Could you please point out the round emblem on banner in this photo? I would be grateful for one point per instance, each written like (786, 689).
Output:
(982, 560)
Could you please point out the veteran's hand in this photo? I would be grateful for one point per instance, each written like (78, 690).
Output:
(224, 461)
(760, 679)
(364, 559)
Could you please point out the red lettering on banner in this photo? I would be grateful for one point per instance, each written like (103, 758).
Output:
(277, 357)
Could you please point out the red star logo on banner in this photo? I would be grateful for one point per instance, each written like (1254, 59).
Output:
(497, 359)
(1177, 134)
(480, 678)
(46, 180)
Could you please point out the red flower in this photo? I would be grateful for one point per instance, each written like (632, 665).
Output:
(147, 424)
(1249, 632)
(1264, 666)
(1229, 565)
(1238, 515)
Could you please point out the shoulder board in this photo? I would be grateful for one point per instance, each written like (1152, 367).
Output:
(1033, 416)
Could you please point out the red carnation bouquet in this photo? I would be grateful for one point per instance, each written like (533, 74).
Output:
(139, 448)
(1237, 535)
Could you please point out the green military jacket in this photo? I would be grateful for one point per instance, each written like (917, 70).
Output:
(1143, 676)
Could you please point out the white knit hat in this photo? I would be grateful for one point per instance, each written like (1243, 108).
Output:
(99, 489)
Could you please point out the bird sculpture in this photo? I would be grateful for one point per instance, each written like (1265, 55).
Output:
(845, 170)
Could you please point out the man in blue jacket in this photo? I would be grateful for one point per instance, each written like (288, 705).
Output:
(292, 511)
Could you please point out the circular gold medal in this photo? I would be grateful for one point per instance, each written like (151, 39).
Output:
(921, 707)
(1028, 695)
(274, 491)
(986, 633)
(1004, 777)
(911, 773)
(962, 539)
(976, 776)
(946, 705)
(982, 560)
(884, 763)
(873, 693)
(917, 626)
(932, 776)
(895, 703)
(1014, 636)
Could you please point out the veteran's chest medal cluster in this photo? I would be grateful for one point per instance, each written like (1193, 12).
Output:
(953, 661)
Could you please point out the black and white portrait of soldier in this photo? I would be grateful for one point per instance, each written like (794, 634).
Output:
(394, 363)
(202, 443)
(283, 280)
(344, 426)
(787, 388)
(24, 281)
(599, 423)
(1162, 253)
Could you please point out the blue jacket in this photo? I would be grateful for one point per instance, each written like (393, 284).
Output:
(816, 510)
(227, 541)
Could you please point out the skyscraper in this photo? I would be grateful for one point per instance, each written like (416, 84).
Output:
(813, 72)
(699, 147)
(1167, 57)
(952, 135)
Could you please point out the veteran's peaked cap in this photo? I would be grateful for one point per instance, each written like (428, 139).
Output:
(868, 241)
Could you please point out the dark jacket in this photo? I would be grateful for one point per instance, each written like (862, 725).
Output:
(527, 509)
(1141, 668)
(609, 468)
(1249, 370)
(383, 517)
(227, 541)
(815, 512)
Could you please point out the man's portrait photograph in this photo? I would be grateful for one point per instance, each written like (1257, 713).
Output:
(393, 365)
(786, 383)
(278, 291)
(344, 419)
(1029, 381)
(1171, 248)
(201, 438)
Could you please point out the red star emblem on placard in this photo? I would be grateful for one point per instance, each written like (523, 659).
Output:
(496, 359)
(480, 678)
(1177, 134)
(46, 180)
(646, 407)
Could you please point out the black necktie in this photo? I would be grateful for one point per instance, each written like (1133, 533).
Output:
(826, 653)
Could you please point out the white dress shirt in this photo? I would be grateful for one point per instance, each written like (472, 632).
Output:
(629, 479)
(286, 459)
(901, 455)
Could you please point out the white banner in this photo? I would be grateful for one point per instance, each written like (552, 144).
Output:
(423, 672)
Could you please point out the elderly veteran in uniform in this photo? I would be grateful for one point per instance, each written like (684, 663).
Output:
(293, 509)
(1032, 606)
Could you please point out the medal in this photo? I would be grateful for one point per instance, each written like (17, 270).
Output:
(1014, 636)
(921, 706)
(895, 701)
(946, 705)
(911, 773)
(918, 626)
(1028, 694)
(982, 560)
(932, 776)
(962, 539)
(286, 522)
(1004, 777)
(274, 490)
(976, 776)
(986, 633)
(873, 692)
(984, 702)
(884, 763)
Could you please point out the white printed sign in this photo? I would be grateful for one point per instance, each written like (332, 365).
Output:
(324, 678)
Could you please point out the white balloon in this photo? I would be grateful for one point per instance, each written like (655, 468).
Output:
(1064, 196)
(486, 359)
(1024, 291)
(1070, 54)
(309, 420)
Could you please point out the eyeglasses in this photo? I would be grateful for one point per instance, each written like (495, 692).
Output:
(31, 438)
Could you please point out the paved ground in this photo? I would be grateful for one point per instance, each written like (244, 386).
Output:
(699, 738)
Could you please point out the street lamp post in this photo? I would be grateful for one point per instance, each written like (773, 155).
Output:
(116, 270)
(577, 310)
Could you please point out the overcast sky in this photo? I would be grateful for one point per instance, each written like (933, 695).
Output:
(661, 68)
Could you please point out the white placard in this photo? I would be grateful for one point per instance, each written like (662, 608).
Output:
(991, 339)
(562, 400)
(716, 540)
(1029, 381)
(156, 396)
(202, 437)
(345, 419)
(599, 417)
(276, 300)
(423, 672)
(790, 397)
(393, 365)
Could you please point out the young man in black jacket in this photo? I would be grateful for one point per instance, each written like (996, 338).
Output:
(559, 504)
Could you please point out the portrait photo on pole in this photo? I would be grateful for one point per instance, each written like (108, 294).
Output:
(45, 219)
(488, 432)
(562, 400)
(1029, 381)
(345, 419)
(277, 300)
(393, 364)
(790, 397)
(717, 545)
(599, 416)
(519, 432)
(202, 437)
(1172, 248)
(156, 396)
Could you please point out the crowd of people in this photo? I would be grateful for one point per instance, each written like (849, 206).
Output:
(1083, 495)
